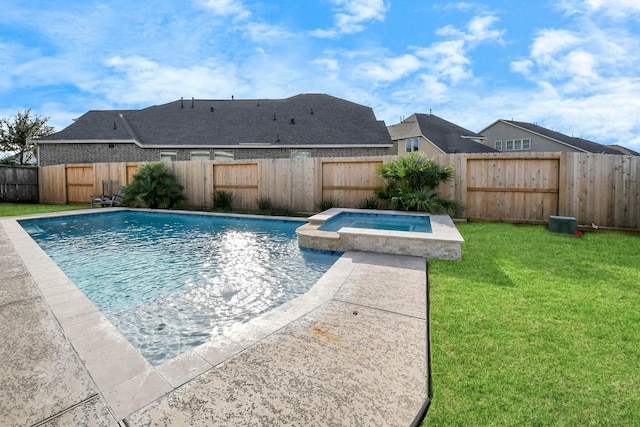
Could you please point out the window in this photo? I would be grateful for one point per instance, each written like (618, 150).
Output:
(298, 154)
(200, 155)
(519, 144)
(412, 144)
(497, 145)
(223, 155)
(168, 156)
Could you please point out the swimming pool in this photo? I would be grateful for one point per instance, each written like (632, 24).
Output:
(169, 282)
(412, 223)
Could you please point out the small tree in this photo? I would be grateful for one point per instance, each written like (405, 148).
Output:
(410, 183)
(17, 134)
(153, 186)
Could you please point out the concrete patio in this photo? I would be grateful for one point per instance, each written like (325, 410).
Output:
(351, 351)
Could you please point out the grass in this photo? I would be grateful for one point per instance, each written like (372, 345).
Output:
(536, 329)
(16, 209)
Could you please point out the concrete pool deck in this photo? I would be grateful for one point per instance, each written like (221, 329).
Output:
(350, 351)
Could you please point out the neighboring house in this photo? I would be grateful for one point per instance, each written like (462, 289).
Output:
(433, 135)
(306, 125)
(508, 136)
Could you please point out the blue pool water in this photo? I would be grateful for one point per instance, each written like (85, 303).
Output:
(415, 223)
(169, 282)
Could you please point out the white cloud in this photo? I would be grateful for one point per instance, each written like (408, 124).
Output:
(391, 69)
(138, 80)
(227, 8)
(266, 33)
(478, 30)
(351, 16)
(616, 9)
(447, 60)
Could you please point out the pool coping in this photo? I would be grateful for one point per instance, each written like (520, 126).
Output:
(124, 378)
(444, 242)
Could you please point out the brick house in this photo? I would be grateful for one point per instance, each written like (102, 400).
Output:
(305, 125)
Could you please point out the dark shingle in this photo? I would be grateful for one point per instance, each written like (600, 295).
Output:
(449, 137)
(308, 119)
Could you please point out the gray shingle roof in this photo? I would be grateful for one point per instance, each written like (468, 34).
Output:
(301, 120)
(450, 137)
(582, 144)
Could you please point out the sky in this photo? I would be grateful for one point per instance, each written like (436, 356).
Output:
(569, 65)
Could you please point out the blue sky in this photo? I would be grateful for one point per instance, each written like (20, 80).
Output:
(569, 65)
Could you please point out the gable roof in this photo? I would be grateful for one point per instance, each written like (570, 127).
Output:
(576, 143)
(299, 121)
(447, 136)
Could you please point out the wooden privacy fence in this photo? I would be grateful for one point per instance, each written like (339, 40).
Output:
(18, 184)
(602, 189)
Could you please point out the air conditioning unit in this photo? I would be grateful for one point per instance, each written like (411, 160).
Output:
(563, 225)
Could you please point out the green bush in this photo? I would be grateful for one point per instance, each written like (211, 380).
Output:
(410, 183)
(325, 204)
(154, 186)
(222, 200)
(264, 204)
(371, 202)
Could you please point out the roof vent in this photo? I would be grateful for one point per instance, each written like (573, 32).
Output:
(232, 97)
(193, 102)
(181, 102)
(258, 103)
(293, 121)
(311, 112)
(114, 125)
(274, 117)
(211, 109)
(278, 138)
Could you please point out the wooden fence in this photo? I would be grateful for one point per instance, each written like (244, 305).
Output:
(18, 184)
(514, 187)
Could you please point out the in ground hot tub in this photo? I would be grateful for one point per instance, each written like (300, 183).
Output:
(432, 236)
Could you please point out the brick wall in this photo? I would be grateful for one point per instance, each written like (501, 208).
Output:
(55, 154)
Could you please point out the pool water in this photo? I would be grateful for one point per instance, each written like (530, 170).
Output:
(169, 282)
(413, 223)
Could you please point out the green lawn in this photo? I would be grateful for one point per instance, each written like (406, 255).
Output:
(15, 209)
(535, 329)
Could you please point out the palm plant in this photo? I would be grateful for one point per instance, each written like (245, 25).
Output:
(154, 186)
(410, 183)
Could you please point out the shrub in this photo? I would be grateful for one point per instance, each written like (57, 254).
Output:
(325, 204)
(371, 202)
(154, 186)
(410, 183)
(264, 204)
(222, 200)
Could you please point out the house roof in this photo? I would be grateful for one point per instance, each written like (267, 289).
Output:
(447, 136)
(299, 121)
(577, 143)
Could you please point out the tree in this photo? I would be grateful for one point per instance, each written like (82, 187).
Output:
(410, 183)
(17, 134)
(153, 186)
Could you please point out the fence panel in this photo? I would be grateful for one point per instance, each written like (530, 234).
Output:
(522, 188)
(349, 182)
(18, 184)
(197, 178)
(80, 183)
(241, 179)
(603, 189)
(528, 187)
